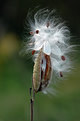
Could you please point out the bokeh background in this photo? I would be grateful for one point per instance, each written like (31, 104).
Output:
(16, 70)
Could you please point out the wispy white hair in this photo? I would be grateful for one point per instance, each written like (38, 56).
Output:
(49, 33)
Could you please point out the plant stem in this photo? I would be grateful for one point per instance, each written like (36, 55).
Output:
(32, 103)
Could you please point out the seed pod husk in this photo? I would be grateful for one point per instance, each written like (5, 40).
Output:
(41, 72)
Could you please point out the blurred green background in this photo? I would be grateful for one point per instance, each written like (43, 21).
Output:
(16, 70)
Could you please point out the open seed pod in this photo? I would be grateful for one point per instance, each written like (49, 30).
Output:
(41, 72)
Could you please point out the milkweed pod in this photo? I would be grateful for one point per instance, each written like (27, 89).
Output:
(49, 40)
(41, 72)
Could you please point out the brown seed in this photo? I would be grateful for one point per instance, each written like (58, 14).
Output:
(61, 75)
(33, 52)
(48, 24)
(63, 58)
(37, 31)
(31, 33)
